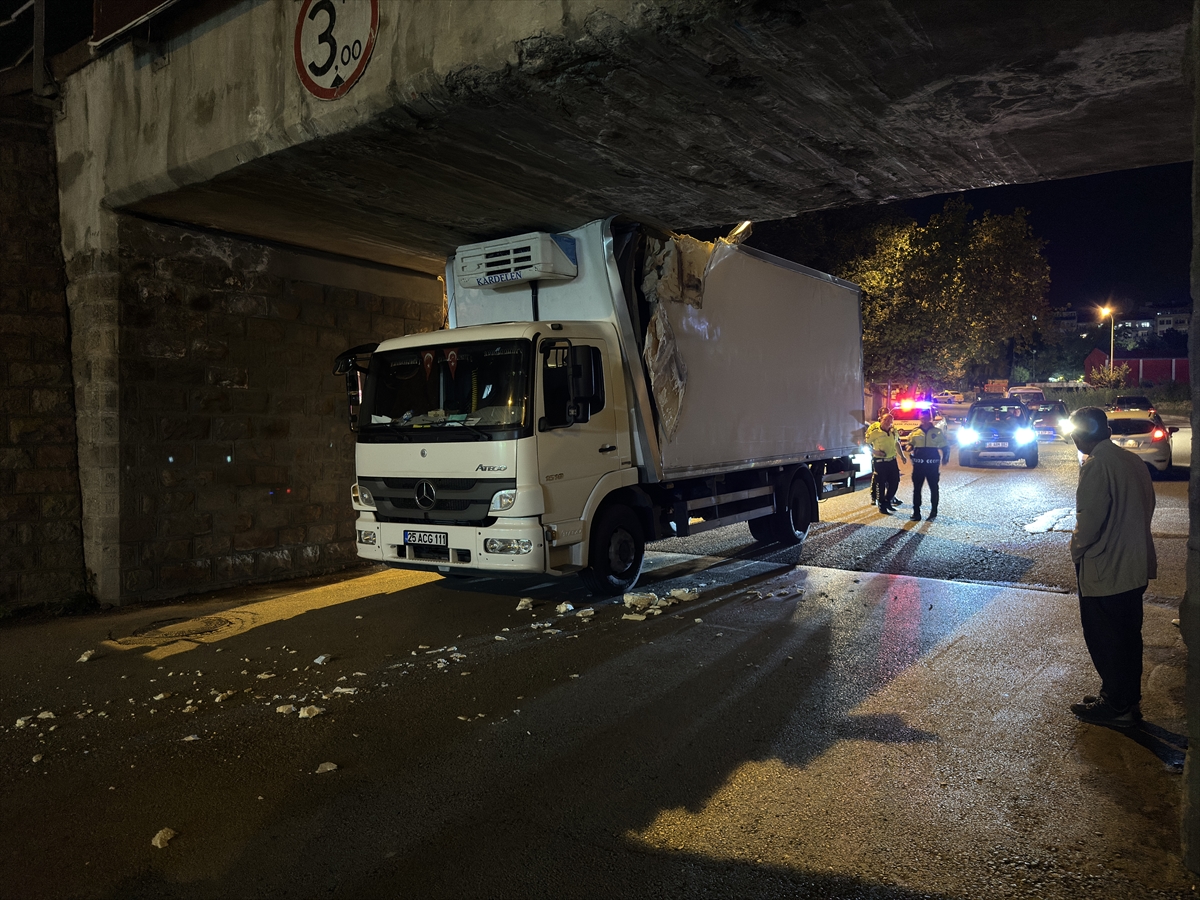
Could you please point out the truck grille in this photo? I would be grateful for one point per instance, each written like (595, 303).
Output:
(456, 501)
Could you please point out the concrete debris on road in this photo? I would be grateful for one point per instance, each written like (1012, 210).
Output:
(525, 603)
(263, 676)
(23, 721)
(163, 696)
(321, 660)
(45, 714)
(685, 594)
(564, 607)
(86, 655)
(221, 698)
(163, 838)
(326, 767)
(585, 613)
(192, 737)
(345, 690)
(634, 617)
(310, 712)
(639, 601)
(287, 709)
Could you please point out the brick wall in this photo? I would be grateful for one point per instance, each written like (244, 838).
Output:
(41, 549)
(235, 457)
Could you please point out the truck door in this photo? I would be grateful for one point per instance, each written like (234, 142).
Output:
(577, 437)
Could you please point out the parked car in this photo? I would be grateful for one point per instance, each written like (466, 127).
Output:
(1051, 420)
(1143, 434)
(947, 397)
(997, 430)
(1132, 402)
(1027, 395)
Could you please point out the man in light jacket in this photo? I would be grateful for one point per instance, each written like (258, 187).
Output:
(1114, 560)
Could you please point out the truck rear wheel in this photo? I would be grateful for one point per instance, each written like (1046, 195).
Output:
(790, 524)
(617, 548)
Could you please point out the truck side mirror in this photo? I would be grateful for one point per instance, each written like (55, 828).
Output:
(347, 364)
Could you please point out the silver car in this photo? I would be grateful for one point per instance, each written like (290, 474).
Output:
(1143, 433)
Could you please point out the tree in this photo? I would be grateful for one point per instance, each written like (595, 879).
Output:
(950, 299)
(1107, 378)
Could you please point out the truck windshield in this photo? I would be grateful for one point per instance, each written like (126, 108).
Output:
(466, 390)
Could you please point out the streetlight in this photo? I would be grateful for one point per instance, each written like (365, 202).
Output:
(1112, 339)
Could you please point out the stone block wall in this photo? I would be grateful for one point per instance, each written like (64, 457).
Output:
(235, 456)
(41, 548)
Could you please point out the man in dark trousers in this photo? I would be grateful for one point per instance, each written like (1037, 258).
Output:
(1114, 560)
(928, 448)
(885, 448)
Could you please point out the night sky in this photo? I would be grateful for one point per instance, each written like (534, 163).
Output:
(1125, 235)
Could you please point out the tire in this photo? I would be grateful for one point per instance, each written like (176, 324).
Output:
(761, 529)
(616, 551)
(1031, 459)
(791, 523)
(966, 459)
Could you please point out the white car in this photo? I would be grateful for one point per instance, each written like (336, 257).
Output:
(1144, 434)
(948, 397)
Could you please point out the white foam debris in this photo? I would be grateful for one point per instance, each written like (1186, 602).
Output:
(525, 603)
(221, 698)
(37, 757)
(23, 721)
(45, 714)
(326, 767)
(192, 737)
(699, 621)
(287, 709)
(1055, 520)
(634, 617)
(163, 696)
(263, 676)
(310, 712)
(501, 637)
(563, 608)
(321, 660)
(585, 613)
(163, 838)
(86, 655)
(345, 690)
(686, 594)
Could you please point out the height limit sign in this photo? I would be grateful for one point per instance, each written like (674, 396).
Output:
(334, 40)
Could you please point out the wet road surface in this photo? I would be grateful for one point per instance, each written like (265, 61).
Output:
(800, 730)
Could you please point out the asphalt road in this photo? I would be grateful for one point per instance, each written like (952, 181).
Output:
(881, 714)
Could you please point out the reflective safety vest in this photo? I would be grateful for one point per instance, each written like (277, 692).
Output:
(928, 447)
(884, 444)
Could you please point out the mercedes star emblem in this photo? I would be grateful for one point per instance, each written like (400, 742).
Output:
(425, 494)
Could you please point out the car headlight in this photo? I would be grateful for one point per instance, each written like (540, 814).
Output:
(361, 496)
(1065, 426)
(1025, 435)
(502, 500)
(967, 436)
(507, 545)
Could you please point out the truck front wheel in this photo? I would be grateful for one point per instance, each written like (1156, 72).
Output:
(618, 546)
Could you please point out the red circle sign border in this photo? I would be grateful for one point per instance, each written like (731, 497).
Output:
(334, 93)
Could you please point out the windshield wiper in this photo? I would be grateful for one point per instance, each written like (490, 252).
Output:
(480, 435)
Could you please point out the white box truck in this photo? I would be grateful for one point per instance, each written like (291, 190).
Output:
(598, 389)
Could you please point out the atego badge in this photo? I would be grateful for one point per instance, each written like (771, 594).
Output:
(334, 40)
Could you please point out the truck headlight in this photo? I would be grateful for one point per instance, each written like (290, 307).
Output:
(367, 537)
(507, 545)
(502, 500)
(361, 496)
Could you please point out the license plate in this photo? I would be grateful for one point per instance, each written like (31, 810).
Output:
(999, 444)
(427, 538)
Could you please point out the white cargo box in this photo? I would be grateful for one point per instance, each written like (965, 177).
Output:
(535, 256)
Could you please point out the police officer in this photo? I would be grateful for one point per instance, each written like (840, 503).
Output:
(885, 449)
(928, 447)
(871, 429)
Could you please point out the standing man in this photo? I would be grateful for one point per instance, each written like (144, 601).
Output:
(885, 448)
(1114, 560)
(871, 429)
(928, 448)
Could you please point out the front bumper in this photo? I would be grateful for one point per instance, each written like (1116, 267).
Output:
(464, 550)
